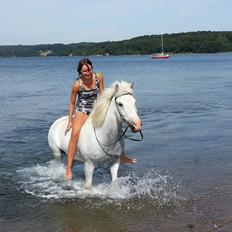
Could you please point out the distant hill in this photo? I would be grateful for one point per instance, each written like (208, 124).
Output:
(189, 42)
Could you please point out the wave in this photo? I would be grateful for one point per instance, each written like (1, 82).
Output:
(47, 182)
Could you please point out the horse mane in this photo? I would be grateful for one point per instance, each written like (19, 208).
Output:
(101, 106)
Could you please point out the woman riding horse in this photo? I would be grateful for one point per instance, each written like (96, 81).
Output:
(101, 140)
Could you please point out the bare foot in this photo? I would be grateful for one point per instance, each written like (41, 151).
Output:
(68, 175)
(125, 159)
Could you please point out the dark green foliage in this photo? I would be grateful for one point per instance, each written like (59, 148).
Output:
(190, 42)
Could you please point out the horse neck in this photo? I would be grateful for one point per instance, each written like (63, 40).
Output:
(113, 123)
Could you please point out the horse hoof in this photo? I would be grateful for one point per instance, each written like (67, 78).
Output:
(88, 187)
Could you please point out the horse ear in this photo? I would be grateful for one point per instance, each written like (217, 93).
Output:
(132, 85)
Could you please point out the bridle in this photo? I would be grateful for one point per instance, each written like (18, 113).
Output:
(128, 124)
(125, 130)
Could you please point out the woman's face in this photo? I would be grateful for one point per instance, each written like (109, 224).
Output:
(87, 71)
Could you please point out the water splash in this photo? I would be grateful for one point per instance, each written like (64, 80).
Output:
(48, 182)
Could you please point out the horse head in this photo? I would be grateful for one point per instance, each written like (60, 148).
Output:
(125, 105)
(119, 93)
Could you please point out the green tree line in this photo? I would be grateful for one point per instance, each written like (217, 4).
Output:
(189, 42)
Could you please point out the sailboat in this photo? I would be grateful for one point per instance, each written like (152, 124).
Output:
(161, 55)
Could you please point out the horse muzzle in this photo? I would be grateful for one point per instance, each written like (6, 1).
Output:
(136, 125)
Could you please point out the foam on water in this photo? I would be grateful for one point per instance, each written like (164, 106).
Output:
(48, 182)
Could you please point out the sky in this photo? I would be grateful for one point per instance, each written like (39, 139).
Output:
(31, 22)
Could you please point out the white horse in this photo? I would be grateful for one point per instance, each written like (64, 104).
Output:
(100, 138)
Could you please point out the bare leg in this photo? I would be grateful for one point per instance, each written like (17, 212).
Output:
(123, 157)
(126, 159)
(78, 121)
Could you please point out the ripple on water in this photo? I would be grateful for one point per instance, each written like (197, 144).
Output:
(8, 216)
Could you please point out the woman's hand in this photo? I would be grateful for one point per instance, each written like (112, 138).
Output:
(69, 126)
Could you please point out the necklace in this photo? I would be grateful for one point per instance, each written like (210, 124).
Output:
(88, 82)
(87, 77)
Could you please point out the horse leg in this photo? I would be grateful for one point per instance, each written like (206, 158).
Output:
(89, 168)
(114, 170)
(53, 145)
(57, 153)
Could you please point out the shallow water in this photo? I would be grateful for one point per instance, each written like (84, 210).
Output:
(183, 179)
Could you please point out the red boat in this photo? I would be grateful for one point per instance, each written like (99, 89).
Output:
(161, 55)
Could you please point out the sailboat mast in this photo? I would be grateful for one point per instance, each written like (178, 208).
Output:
(162, 43)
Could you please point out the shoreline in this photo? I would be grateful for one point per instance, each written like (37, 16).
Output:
(93, 55)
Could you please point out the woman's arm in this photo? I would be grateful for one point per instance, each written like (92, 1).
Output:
(101, 82)
(72, 101)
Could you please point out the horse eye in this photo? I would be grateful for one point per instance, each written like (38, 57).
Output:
(120, 104)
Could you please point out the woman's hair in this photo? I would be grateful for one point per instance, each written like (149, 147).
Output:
(82, 63)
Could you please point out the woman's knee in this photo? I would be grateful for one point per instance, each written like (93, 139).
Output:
(75, 134)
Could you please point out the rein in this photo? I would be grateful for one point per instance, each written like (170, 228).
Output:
(123, 134)
(110, 144)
